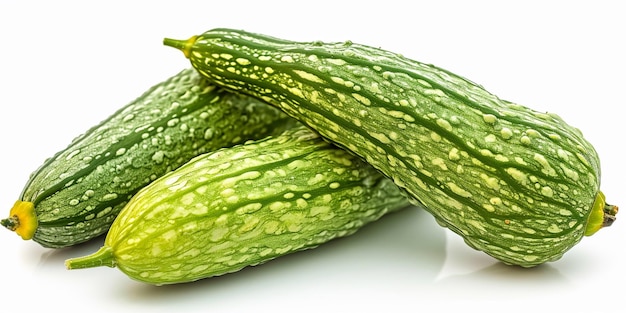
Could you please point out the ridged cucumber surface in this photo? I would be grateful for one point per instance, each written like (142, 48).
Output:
(518, 184)
(76, 194)
(242, 206)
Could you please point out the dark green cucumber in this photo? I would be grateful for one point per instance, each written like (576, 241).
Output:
(243, 206)
(75, 195)
(518, 184)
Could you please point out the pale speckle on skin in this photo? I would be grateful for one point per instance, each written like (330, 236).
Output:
(501, 158)
(276, 206)
(218, 233)
(72, 154)
(434, 92)
(271, 227)
(339, 62)
(547, 169)
(315, 179)
(495, 201)
(286, 59)
(362, 99)
(88, 193)
(478, 225)
(489, 207)
(573, 175)
(435, 137)
(454, 155)
(491, 182)
(188, 198)
(109, 196)
(486, 152)
(158, 157)
(309, 76)
(518, 175)
(440, 163)
(338, 80)
(249, 224)
(327, 198)
(490, 118)
(227, 192)
(554, 137)
(104, 212)
(458, 190)
(301, 203)
(520, 161)
(554, 229)
(381, 137)
(249, 208)
(388, 75)
(530, 258)
(506, 133)
(444, 124)
(490, 138)
(393, 135)
(547, 191)
(532, 133)
(172, 122)
(297, 92)
(242, 61)
(565, 212)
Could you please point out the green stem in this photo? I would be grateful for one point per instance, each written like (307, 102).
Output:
(102, 257)
(609, 214)
(182, 45)
(10, 223)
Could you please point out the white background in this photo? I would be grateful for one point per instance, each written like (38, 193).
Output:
(65, 66)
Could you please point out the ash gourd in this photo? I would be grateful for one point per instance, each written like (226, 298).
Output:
(76, 194)
(520, 185)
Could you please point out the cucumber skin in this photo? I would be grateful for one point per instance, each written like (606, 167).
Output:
(79, 191)
(515, 183)
(243, 206)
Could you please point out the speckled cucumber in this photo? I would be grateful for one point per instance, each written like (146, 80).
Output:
(242, 206)
(75, 195)
(518, 184)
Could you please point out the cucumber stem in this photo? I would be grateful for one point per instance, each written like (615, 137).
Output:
(602, 215)
(103, 257)
(10, 223)
(182, 45)
(22, 219)
(609, 214)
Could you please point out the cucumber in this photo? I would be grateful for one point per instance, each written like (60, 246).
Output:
(76, 194)
(242, 206)
(515, 183)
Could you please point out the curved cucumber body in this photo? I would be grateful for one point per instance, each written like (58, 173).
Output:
(243, 206)
(515, 183)
(75, 195)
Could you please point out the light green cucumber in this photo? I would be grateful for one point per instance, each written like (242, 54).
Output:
(242, 206)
